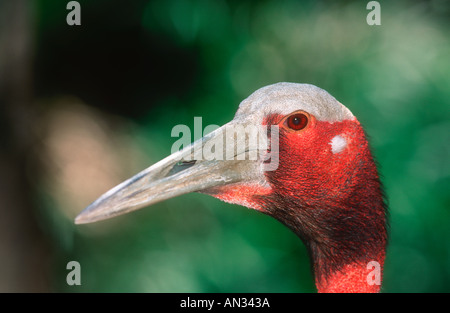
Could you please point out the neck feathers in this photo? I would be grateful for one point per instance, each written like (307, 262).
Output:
(335, 204)
(358, 277)
(346, 245)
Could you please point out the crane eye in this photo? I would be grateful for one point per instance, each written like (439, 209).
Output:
(297, 121)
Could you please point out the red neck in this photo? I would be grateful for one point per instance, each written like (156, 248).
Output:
(333, 202)
(358, 277)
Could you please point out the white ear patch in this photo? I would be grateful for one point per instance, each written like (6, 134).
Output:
(338, 143)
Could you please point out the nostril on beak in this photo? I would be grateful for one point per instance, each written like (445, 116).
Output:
(181, 166)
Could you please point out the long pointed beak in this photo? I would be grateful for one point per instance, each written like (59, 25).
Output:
(180, 173)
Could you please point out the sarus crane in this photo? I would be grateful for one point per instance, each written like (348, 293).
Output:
(325, 188)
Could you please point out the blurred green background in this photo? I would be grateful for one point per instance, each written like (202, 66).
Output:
(85, 107)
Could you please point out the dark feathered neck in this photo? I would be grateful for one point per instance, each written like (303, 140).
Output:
(334, 203)
(343, 241)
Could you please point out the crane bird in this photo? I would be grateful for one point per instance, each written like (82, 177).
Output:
(325, 187)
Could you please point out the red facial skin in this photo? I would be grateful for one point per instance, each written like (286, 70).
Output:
(332, 201)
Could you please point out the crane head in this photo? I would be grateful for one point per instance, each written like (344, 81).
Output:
(307, 121)
(310, 168)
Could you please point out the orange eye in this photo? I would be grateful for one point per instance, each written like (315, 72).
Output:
(297, 121)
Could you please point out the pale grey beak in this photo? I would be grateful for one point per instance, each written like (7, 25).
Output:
(180, 173)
